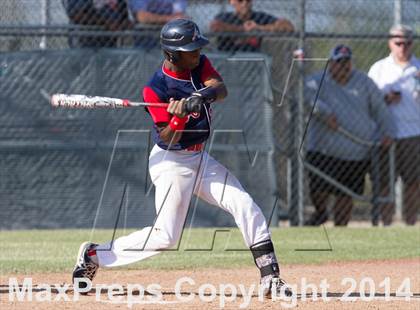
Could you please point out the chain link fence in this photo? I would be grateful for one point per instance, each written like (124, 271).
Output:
(309, 166)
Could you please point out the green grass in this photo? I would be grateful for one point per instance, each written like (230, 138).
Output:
(55, 250)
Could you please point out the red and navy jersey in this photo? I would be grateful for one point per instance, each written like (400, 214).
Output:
(166, 84)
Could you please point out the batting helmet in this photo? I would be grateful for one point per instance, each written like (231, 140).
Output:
(180, 35)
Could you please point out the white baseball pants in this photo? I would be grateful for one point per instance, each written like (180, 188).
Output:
(174, 174)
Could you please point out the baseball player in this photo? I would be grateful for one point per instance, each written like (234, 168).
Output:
(179, 167)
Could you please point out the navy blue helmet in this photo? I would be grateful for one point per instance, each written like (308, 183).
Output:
(180, 35)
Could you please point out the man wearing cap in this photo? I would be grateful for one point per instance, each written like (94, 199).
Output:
(349, 100)
(245, 20)
(398, 77)
(154, 13)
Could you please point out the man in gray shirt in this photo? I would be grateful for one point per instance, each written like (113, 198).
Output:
(348, 100)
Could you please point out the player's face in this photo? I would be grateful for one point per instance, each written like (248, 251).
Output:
(241, 6)
(189, 60)
(401, 47)
(340, 69)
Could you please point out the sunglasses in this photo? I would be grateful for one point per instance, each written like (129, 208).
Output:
(240, 1)
(403, 43)
(342, 60)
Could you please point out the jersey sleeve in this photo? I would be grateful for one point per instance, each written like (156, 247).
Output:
(265, 19)
(159, 115)
(208, 71)
(225, 17)
(138, 5)
(180, 6)
(74, 7)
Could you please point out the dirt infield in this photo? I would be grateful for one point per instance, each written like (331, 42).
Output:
(367, 276)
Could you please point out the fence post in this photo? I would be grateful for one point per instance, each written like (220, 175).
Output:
(45, 19)
(296, 187)
(397, 12)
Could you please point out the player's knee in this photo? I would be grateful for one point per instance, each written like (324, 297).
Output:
(245, 201)
(235, 195)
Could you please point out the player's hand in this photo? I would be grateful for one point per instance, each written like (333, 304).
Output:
(178, 15)
(250, 25)
(332, 122)
(386, 141)
(194, 103)
(393, 97)
(177, 107)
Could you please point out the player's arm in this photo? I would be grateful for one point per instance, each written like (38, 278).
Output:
(380, 113)
(170, 121)
(215, 88)
(218, 25)
(280, 25)
(171, 132)
(143, 16)
(80, 12)
(146, 17)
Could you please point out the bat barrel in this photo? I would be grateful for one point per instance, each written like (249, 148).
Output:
(87, 102)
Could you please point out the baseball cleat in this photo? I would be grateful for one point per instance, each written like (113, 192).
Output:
(278, 288)
(85, 267)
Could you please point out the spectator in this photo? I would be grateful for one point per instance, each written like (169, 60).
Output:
(398, 77)
(244, 19)
(112, 15)
(155, 12)
(348, 100)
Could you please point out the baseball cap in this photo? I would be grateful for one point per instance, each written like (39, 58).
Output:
(401, 31)
(341, 51)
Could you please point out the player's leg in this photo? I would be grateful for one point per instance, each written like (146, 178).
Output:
(342, 209)
(408, 165)
(319, 199)
(411, 202)
(383, 181)
(173, 177)
(172, 200)
(319, 188)
(350, 174)
(219, 187)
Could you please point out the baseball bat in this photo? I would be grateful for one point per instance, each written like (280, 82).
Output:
(91, 102)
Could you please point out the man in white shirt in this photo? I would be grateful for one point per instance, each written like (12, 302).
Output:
(398, 76)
